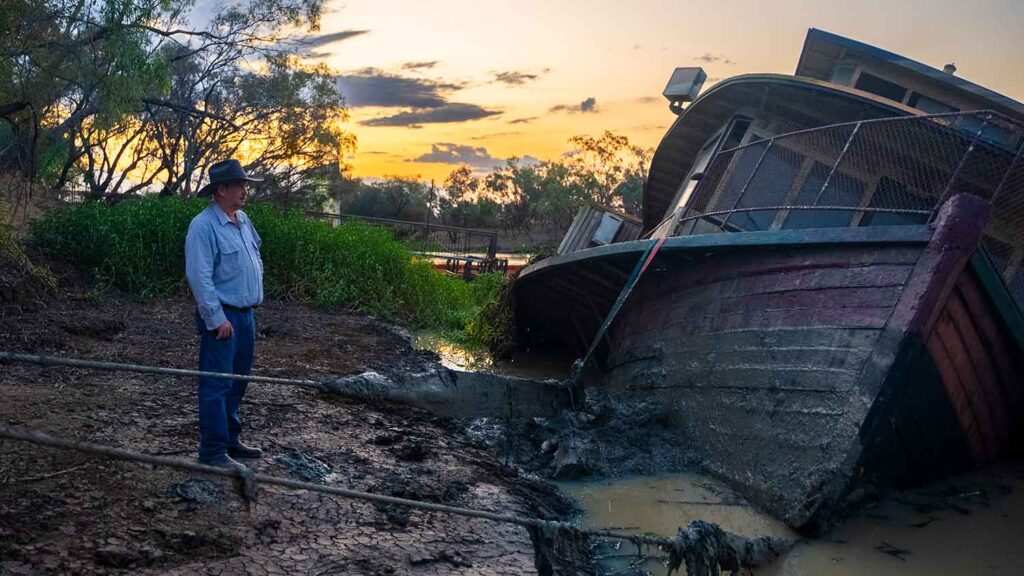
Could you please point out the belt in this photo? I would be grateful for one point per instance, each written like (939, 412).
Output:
(236, 309)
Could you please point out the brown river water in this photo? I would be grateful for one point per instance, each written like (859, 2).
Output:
(968, 525)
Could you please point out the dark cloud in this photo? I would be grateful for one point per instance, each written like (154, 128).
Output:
(494, 135)
(453, 112)
(448, 153)
(514, 78)
(709, 58)
(648, 99)
(419, 65)
(324, 39)
(588, 105)
(526, 120)
(476, 157)
(373, 87)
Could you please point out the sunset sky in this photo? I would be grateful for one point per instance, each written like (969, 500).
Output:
(432, 85)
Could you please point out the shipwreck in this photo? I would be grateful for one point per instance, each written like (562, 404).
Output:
(834, 305)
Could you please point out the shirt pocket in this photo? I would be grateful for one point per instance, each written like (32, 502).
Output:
(230, 259)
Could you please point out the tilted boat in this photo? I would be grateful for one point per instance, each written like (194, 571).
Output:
(835, 303)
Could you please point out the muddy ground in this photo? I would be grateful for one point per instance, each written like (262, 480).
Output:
(64, 512)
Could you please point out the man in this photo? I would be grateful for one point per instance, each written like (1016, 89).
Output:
(225, 272)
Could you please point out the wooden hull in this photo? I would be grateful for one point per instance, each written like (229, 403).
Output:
(806, 371)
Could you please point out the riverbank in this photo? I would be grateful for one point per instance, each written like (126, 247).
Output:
(62, 512)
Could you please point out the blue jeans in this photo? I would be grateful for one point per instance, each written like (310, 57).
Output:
(219, 398)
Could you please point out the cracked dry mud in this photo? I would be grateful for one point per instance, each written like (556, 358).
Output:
(65, 512)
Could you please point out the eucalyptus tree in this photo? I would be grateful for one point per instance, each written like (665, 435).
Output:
(124, 94)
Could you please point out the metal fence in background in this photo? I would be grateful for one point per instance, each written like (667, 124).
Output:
(465, 251)
(892, 171)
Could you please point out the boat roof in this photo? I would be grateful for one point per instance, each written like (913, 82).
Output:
(805, 102)
(822, 49)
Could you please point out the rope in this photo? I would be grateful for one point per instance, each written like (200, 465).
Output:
(247, 479)
(641, 266)
(117, 366)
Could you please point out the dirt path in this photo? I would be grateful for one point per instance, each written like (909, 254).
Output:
(62, 512)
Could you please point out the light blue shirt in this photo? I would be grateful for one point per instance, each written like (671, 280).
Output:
(222, 263)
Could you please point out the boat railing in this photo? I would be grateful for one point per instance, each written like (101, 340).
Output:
(879, 172)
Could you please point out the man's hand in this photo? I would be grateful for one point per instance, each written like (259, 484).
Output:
(224, 330)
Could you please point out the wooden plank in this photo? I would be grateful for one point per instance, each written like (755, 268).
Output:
(566, 245)
(987, 382)
(853, 317)
(688, 287)
(968, 424)
(990, 279)
(1004, 356)
(783, 342)
(963, 374)
(788, 261)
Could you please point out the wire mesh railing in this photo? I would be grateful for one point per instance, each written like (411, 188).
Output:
(883, 172)
(464, 250)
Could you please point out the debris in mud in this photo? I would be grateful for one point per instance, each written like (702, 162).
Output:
(396, 515)
(486, 433)
(603, 438)
(706, 549)
(893, 551)
(387, 439)
(560, 549)
(305, 467)
(120, 556)
(99, 327)
(198, 490)
(449, 556)
(412, 451)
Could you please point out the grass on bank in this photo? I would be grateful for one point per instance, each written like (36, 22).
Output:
(138, 246)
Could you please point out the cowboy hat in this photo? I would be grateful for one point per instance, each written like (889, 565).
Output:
(223, 172)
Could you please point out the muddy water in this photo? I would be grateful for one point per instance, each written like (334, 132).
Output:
(456, 357)
(970, 525)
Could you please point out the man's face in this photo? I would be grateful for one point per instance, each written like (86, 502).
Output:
(232, 195)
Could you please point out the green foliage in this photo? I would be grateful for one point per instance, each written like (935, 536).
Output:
(492, 327)
(20, 279)
(606, 170)
(138, 246)
(396, 197)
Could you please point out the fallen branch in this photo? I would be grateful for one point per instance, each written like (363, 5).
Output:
(50, 475)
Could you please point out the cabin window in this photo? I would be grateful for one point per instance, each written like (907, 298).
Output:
(769, 186)
(843, 74)
(734, 135)
(843, 190)
(894, 195)
(696, 172)
(928, 105)
(993, 133)
(880, 86)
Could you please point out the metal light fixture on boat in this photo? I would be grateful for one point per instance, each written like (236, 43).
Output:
(684, 86)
